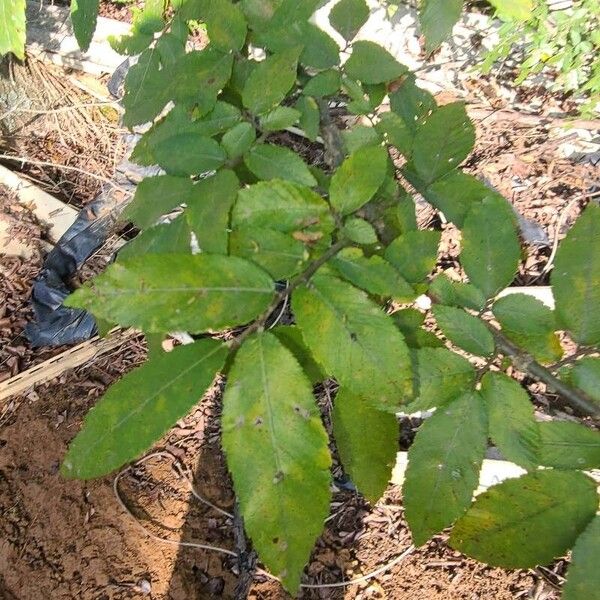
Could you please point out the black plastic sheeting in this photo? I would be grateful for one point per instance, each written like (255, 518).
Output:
(55, 324)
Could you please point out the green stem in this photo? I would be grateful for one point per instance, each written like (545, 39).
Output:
(573, 358)
(526, 363)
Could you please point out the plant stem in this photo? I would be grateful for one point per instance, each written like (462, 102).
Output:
(332, 139)
(301, 279)
(526, 363)
(573, 358)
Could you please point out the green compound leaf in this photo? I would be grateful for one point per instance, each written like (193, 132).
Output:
(370, 63)
(238, 140)
(414, 254)
(139, 408)
(170, 238)
(443, 466)
(583, 576)
(586, 376)
(519, 10)
(146, 23)
(189, 154)
(442, 141)
(490, 245)
(279, 254)
(155, 196)
(267, 162)
(279, 118)
(354, 340)
(368, 459)
(291, 337)
(464, 330)
(455, 193)
(567, 445)
(276, 448)
(409, 321)
(527, 521)
(283, 206)
(512, 424)
(360, 231)
(178, 293)
(225, 24)
(271, 80)
(348, 16)
(12, 27)
(373, 274)
(208, 210)
(529, 323)
(358, 178)
(455, 293)
(437, 18)
(576, 278)
(442, 376)
(84, 14)
(322, 84)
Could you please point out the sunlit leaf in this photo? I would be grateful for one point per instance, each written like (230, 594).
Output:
(177, 292)
(12, 26)
(169, 238)
(512, 424)
(84, 14)
(368, 459)
(443, 466)
(528, 521)
(276, 449)
(139, 408)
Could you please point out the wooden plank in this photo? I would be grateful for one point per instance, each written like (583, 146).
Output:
(50, 211)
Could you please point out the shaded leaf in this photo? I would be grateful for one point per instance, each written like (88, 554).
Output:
(170, 238)
(548, 508)
(490, 245)
(310, 116)
(320, 50)
(576, 278)
(583, 575)
(411, 102)
(279, 118)
(139, 408)
(414, 254)
(464, 330)
(368, 459)
(189, 154)
(276, 449)
(437, 18)
(291, 337)
(586, 376)
(529, 323)
(155, 196)
(279, 254)
(409, 322)
(442, 141)
(177, 293)
(455, 293)
(238, 140)
(322, 84)
(567, 445)
(360, 136)
(370, 63)
(511, 417)
(354, 340)
(360, 231)
(348, 16)
(372, 274)
(269, 83)
(358, 178)
(208, 210)
(225, 24)
(443, 466)
(267, 161)
(442, 377)
(397, 132)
